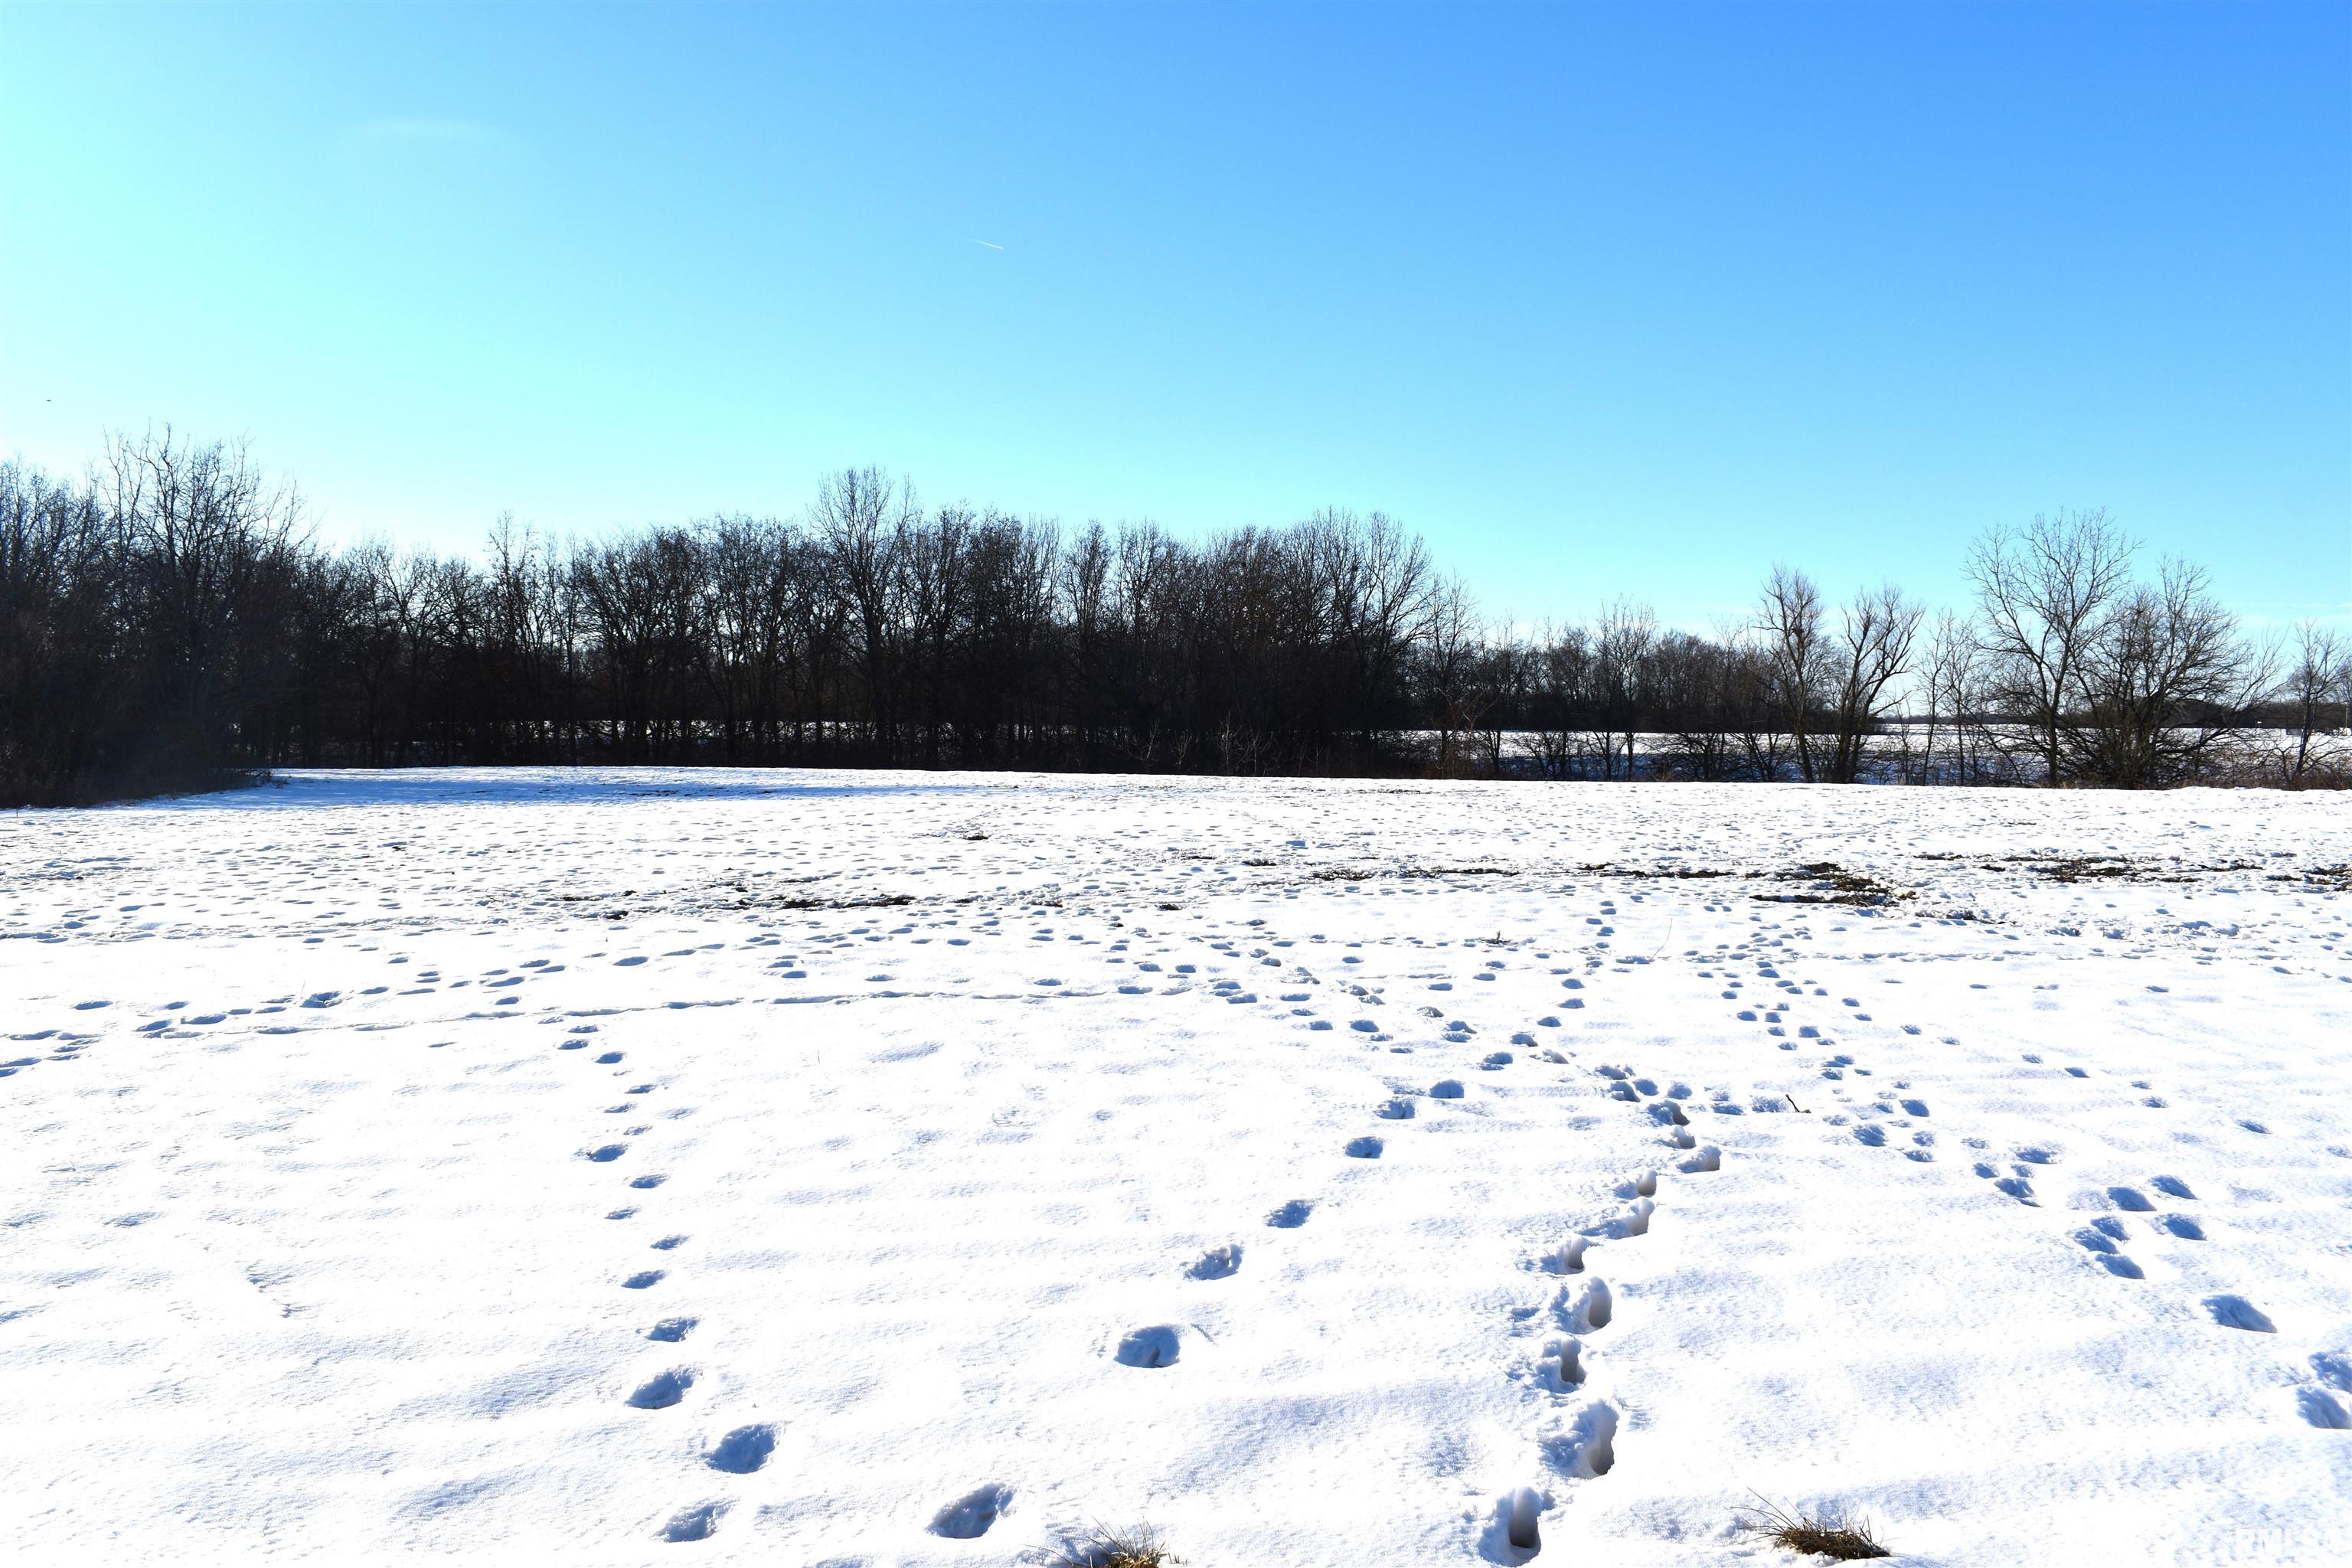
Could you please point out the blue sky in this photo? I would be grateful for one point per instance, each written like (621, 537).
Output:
(1600, 299)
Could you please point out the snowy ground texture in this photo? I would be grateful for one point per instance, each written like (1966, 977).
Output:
(887, 1169)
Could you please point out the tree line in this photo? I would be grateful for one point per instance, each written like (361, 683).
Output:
(167, 620)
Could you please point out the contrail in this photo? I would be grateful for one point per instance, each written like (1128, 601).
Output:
(990, 247)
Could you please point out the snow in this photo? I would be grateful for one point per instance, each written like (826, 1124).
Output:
(912, 1169)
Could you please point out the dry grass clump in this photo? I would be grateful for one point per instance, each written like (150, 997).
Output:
(1832, 1536)
(1134, 1546)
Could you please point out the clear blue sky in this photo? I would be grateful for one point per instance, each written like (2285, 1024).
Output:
(1599, 299)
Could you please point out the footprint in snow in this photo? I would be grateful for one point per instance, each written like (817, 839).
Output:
(2101, 1240)
(1588, 1449)
(2322, 1409)
(1154, 1347)
(663, 1389)
(695, 1523)
(1217, 1263)
(2237, 1312)
(743, 1450)
(1291, 1216)
(1365, 1148)
(670, 1331)
(1593, 1309)
(969, 1516)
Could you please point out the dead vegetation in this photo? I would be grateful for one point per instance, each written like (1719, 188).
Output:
(1832, 883)
(1654, 873)
(1132, 1546)
(1373, 873)
(1830, 1535)
(880, 901)
(2116, 867)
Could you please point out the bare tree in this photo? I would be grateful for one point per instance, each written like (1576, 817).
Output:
(2317, 692)
(1622, 640)
(1790, 622)
(2162, 684)
(1871, 650)
(1454, 640)
(1949, 687)
(860, 514)
(2044, 593)
(213, 548)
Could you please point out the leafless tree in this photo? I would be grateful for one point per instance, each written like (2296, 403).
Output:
(1949, 690)
(1454, 640)
(2043, 594)
(1623, 637)
(2163, 683)
(213, 548)
(1871, 651)
(1790, 623)
(2317, 692)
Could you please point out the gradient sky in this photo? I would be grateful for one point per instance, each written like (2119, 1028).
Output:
(1599, 300)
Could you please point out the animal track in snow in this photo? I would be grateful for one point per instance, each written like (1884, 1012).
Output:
(1292, 1215)
(1364, 1148)
(670, 1331)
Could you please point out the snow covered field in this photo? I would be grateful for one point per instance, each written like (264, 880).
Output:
(896, 1169)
